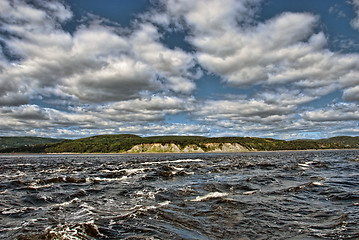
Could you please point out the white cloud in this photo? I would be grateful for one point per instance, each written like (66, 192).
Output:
(144, 110)
(352, 94)
(171, 64)
(120, 78)
(355, 21)
(106, 80)
(154, 103)
(282, 113)
(287, 97)
(241, 109)
(276, 52)
(166, 129)
(95, 63)
(255, 117)
(141, 114)
(210, 15)
(338, 112)
(29, 116)
(283, 50)
(258, 118)
(58, 10)
(13, 99)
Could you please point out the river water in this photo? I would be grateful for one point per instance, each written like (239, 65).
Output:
(256, 195)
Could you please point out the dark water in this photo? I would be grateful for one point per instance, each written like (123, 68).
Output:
(273, 195)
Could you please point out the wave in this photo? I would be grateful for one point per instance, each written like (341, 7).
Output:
(209, 196)
(194, 196)
(173, 161)
(80, 231)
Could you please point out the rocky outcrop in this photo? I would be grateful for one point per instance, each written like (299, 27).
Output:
(155, 147)
(192, 148)
(225, 147)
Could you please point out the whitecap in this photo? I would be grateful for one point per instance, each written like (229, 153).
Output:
(209, 196)
(178, 168)
(134, 170)
(75, 200)
(128, 171)
(303, 164)
(317, 183)
(34, 186)
(9, 211)
(165, 203)
(146, 194)
(109, 179)
(249, 192)
(174, 161)
(75, 231)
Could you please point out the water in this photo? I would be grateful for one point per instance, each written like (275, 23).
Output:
(266, 195)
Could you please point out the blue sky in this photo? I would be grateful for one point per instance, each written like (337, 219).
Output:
(264, 68)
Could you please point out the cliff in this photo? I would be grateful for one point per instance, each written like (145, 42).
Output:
(192, 148)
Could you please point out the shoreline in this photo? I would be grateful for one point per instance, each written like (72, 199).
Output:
(153, 153)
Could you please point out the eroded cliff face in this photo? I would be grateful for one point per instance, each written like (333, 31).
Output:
(226, 147)
(193, 148)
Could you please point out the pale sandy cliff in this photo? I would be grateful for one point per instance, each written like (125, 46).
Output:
(193, 148)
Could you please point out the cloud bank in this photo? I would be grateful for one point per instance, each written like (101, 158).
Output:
(103, 79)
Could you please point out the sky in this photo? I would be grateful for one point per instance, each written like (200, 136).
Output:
(261, 68)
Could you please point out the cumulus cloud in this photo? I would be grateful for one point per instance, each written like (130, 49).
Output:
(170, 129)
(142, 114)
(143, 110)
(32, 116)
(352, 94)
(105, 79)
(281, 113)
(337, 112)
(241, 109)
(256, 116)
(120, 78)
(24, 25)
(172, 64)
(355, 21)
(112, 80)
(210, 15)
(95, 63)
(284, 49)
(13, 99)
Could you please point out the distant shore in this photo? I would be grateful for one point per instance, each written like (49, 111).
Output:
(131, 144)
(179, 153)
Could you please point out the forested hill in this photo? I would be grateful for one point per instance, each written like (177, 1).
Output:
(351, 142)
(14, 142)
(135, 144)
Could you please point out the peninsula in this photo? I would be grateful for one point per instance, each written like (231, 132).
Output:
(129, 143)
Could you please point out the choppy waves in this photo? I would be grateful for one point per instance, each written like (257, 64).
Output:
(274, 195)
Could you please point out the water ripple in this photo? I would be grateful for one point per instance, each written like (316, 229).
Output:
(266, 195)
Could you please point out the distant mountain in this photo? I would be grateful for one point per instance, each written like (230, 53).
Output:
(129, 143)
(14, 142)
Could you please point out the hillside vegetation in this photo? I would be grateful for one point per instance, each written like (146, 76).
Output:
(133, 143)
(14, 142)
(348, 142)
